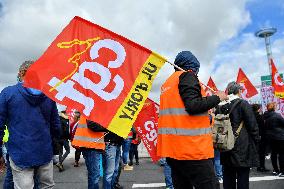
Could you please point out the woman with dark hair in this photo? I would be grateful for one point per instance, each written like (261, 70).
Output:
(263, 141)
(274, 124)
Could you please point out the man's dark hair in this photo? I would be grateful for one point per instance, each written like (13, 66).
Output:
(233, 88)
(255, 107)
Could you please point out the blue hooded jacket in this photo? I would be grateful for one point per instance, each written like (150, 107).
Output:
(31, 119)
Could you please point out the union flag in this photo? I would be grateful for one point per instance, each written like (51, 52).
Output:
(98, 72)
(248, 89)
(277, 81)
(146, 127)
(71, 114)
(212, 85)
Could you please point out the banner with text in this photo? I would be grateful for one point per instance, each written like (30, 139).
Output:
(146, 127)
(98, 72)
(267, 94)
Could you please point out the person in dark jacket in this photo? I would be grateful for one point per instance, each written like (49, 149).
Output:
(238, 161)
(274, 124)
(263, 141)
(64, 141)
(189, 172)
(32, 120)
(133, 152)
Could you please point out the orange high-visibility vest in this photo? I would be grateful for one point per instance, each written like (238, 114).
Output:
(182, 136)
(82, 120)
(85, 137)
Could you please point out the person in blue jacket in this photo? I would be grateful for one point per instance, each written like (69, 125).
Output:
(32, 120)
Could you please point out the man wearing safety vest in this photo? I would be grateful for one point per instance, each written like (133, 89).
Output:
(184, 131)
(89, 137)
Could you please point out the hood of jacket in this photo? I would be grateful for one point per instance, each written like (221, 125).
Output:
(231, 98)
(268, 114)
(187, 61)
(32, 99)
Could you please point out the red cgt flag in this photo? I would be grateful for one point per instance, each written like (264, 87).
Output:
(277, 81)
(212, 85)
(248, 89)
(71, 114)
(146, 127)
(72, 122)
(98, 72)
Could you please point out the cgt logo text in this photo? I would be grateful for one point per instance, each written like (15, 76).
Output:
(66, 89)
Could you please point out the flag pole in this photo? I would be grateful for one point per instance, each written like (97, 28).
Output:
(102, 137)
(179, 68)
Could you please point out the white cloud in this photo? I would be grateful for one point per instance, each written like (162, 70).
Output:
(29, 26)
(247, 52)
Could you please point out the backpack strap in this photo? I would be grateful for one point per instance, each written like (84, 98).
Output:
(239, 129)
(234, 105)
(242, 123)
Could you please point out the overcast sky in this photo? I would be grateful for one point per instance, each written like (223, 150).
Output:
(220, 33)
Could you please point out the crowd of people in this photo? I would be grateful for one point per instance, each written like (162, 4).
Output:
(185, 140)
(183, 122)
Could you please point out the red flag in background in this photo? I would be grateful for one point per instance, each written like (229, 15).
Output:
(98, 72)
(248, 89)
(146, 127)
(71, 114)
(277, 82)
(73, 123)
(212, 85)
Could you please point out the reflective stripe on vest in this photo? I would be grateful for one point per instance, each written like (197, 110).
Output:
(88, 139)
(82, 126)
(178, 111)
(184, 132)
(85, 137)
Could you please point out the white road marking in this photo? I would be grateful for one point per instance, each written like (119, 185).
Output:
(252, 179)
(150, 185)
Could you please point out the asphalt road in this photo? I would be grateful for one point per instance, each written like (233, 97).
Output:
(146, 175)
